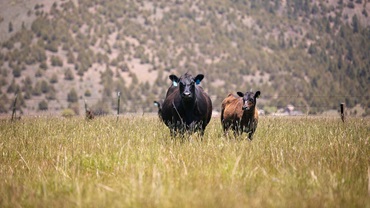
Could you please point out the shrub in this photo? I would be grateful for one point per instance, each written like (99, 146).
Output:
(54, 79)
(52, 46)
(364, 12)
(37, 89)
(38, 52)
(27, 83)
(3, 106)
(72, 96)
(68, 113)
(51, 94)
(68, 74)
(27, 94)
(87, 93)
(4, 73)
(351, 5)
(17, 71)
(75, 107)
(10, 27)
(43, 105)
(3, 81)
(44, 86)
(43, 65)
(56, 61)
(312, 49)
(13, 87)
(38, 73)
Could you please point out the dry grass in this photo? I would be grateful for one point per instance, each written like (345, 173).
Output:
(292, 162)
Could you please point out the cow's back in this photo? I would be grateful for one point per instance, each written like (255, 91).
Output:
(231, 108)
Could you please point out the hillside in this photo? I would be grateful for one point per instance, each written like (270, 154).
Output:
(311, 54)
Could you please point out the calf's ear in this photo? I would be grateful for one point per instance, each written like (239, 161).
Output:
(174, 79)
(240, 94)
(198, 78)
(257, 94)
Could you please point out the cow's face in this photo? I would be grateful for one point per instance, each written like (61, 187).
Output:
(187, 86)
(249, 99)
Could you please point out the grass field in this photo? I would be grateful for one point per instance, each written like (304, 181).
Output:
(292, 162)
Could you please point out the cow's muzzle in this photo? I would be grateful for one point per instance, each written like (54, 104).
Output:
(247, 105)
(186, 95)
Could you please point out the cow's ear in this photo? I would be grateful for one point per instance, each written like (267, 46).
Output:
(174, 79)
(198, 78)
(240, 94)
(157, 104)
(257, 94)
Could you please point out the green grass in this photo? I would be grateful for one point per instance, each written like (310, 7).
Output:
(292, 162)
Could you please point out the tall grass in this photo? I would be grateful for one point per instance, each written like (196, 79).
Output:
(292, 162)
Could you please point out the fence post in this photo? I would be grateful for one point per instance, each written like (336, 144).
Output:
(85, 105)
(368, 176)
(119, 95)
(14, 107)
(88, 113)
(342, 111)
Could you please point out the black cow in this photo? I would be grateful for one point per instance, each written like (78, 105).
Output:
(188, 108)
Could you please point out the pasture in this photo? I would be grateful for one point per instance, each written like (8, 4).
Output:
(292, 162)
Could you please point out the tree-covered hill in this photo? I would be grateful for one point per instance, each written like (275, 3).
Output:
(311, 54)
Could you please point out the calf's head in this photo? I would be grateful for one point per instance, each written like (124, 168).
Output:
(187, 85)
(249, 99)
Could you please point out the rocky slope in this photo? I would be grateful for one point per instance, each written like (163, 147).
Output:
(58, 54)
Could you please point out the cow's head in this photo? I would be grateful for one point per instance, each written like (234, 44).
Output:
(187, 86)
(249, 99)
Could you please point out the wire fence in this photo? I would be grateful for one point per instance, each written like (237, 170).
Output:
(117, 106)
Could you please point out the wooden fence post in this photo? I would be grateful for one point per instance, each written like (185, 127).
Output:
(119, 96)
(88, 112)
(14, 107)
(368, 178)
(342, 111)
(85, 105)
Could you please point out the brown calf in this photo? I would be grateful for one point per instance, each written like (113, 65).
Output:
(240, 113)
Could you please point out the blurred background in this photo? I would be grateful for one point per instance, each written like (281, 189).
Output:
(305, 56)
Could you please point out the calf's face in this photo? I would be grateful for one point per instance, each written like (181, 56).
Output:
(187, 86)
(249, 99)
